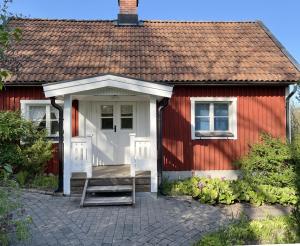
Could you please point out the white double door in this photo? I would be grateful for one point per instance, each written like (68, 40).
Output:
(114, 121)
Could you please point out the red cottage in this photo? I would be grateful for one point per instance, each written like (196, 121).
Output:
(165, 98)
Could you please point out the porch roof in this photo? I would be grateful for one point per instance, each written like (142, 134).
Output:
(76, 86)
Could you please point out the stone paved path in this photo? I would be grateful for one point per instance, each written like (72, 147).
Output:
(153, 221)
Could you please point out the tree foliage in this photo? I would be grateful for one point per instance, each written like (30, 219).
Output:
(7, 37)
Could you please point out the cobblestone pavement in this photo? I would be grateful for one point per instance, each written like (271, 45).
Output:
(153, 221)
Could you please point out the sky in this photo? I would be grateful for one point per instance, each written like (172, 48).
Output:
(282, 17)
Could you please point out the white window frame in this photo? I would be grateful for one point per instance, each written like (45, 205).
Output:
(232, 117)
(25, 104)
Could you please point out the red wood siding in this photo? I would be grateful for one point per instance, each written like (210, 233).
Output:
(10, 96)
(10, 100)
(259, 109)
(52, 165)
(75, 121)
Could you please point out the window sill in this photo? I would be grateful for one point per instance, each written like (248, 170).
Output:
(53, 139)
(214, 135)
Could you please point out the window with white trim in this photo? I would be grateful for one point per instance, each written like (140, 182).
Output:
(213, 118)
(42, 114)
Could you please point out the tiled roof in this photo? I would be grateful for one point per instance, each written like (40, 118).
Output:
(160, 51)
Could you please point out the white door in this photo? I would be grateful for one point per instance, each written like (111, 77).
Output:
(114, 121)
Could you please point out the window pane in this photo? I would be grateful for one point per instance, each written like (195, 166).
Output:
(126, 110)
(202, 109)
(37, 113)
(107, 110)
(54, 127)
(54, 114)
(202, 124)
(221, 124)
(41, 124)
(220, 109)
(126, 123)
(107, 123)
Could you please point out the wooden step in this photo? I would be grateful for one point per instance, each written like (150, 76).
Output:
(110, 181)
(143, 188)
(107, 201)
(143, 180)
(114, 188)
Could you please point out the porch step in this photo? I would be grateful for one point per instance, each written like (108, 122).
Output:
(107, 201)
(142, 181)
(113, 188)
(108, 191)
(110, 181)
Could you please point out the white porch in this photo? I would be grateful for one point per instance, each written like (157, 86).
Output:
(117, 124)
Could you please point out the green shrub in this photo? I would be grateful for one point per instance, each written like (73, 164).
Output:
(269, 163)
(268, 231)
(220, 191)
(184, 187)
(269, 175)
(216, 191)
(22, 177)
(22, 145)
(295, 149)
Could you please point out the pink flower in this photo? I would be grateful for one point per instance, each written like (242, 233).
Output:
(200, 185)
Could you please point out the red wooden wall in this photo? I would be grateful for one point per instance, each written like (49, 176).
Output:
(10, 100)
(259, 109)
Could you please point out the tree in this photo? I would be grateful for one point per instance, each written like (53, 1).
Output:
(8, 36)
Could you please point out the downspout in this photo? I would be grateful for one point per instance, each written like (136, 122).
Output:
(288, 113)
(161, 105)
(60, 145)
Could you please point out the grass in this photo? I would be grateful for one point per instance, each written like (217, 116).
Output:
(44, 182)
(274, 230)
(13, 221)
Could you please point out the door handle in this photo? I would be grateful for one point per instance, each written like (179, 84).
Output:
(115, 128)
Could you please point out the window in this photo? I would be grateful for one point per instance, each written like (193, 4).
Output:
(213, 118)
(43, 114)
(126, 117)
(107, 117)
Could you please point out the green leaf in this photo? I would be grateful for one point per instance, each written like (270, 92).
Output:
(8, 168)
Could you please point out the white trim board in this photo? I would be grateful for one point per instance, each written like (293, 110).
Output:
(71, 87)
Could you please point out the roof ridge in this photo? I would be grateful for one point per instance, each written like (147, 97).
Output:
(200, 21)
(151, 21)
(56, 19)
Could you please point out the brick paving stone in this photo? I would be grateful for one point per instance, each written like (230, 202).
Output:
(153, 221)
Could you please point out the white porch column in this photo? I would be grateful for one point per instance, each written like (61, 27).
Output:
(67, 142)
(153, 144)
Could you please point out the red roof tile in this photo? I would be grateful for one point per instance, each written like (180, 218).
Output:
(160, 51)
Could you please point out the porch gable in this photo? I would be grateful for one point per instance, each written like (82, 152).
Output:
(87, 84)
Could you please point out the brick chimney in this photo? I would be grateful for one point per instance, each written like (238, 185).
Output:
(128, 12)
